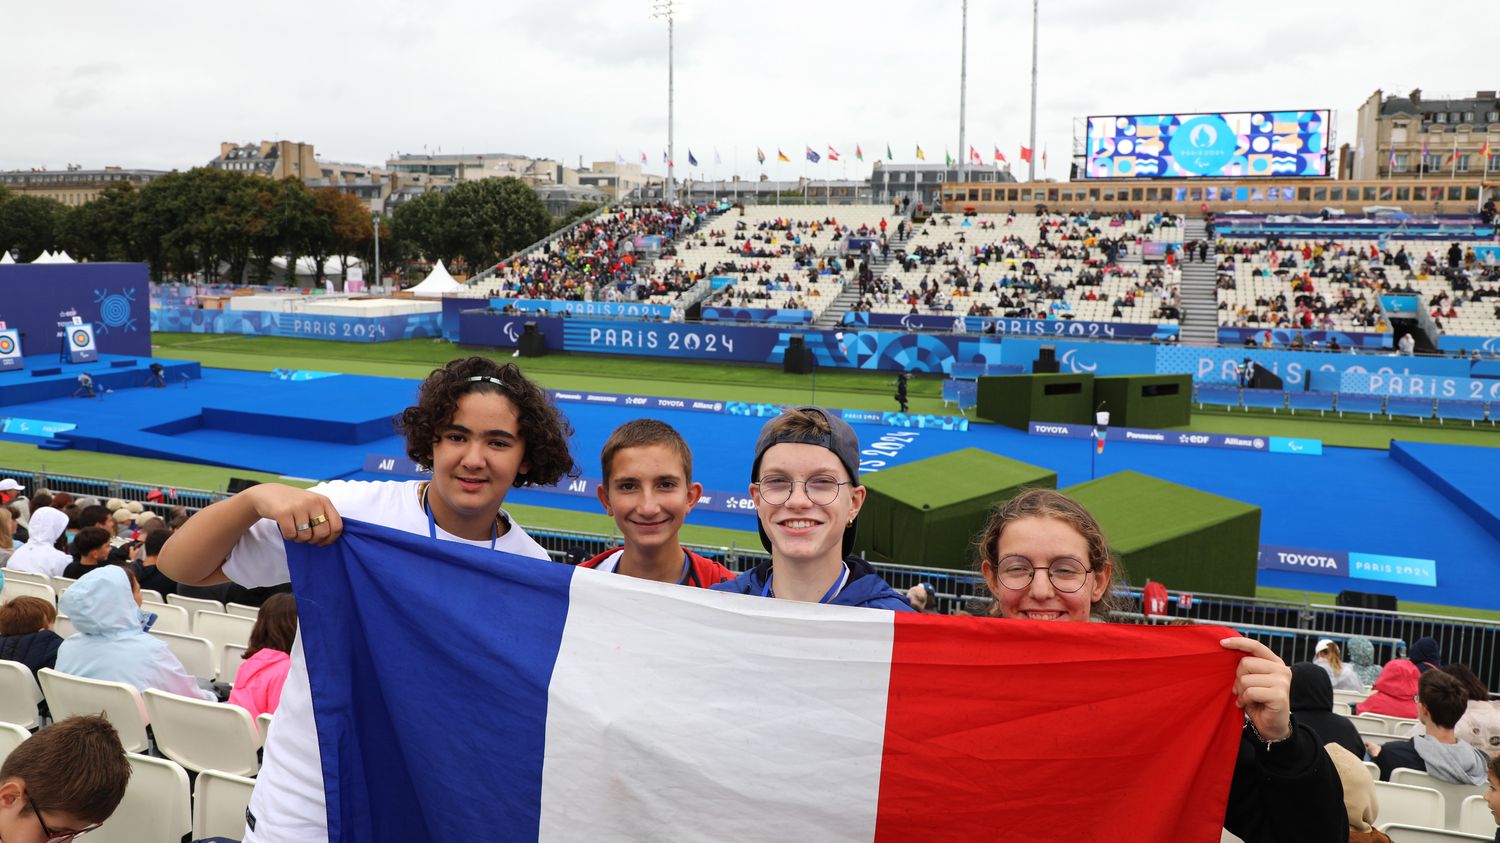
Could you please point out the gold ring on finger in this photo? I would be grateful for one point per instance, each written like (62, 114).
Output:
(318, 520)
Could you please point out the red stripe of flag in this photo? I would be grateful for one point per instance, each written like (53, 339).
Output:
(1057, 731)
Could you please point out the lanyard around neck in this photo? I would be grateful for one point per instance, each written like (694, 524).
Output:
(432, 522)
(833, 590)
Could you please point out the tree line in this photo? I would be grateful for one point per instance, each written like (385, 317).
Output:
(227, 226)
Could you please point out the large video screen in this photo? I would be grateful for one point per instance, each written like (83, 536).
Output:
(1234, 144)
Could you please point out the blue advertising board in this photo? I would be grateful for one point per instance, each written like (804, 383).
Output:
(1221, 365)
(1094, 358)
(1264, 444)
(1216, 145)
(1069, 328)
(780, 316)
(486, 327)
(1395, 305)
(1484, 345)
(10, 349)
(261, 323)
(1337, 563)
(1283, 337)
(1420, 386)
(606, 309)
(40, 302)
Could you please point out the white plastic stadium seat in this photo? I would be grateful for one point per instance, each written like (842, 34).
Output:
(203, 735)
(1374, 770)
(63, 626)
(1409, 805)
(21, 588)
(62, 584)
(1376, 738)
(27, 576)
(1453, 794)
(11, 736)
(194, 605)
(221, 628)
(219, 803)
(1401, 833)
(1351, 697)
(263, 723)
(231, 656)
(1367, 723)
(1474, 817)
(19, 695)
(169, 618)
(155, 807)
(121, 704)
(151, 595)
(242, 610)
(196, 654)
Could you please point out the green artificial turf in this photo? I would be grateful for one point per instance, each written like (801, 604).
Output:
(1405, 605)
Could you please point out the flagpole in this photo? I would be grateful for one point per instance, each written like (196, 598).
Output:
(963, 89)
(663, 8)
(734, 174)
(1031, 171)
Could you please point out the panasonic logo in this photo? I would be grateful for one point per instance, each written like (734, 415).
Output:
(1149, 437)
(569, 396)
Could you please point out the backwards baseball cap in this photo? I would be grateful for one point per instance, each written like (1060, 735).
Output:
(840, 439)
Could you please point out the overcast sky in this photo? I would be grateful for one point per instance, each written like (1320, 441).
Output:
(159, 84)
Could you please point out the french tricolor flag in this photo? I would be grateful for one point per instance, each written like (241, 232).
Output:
(463, 694)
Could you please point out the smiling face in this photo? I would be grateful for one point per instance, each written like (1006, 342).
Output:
(649, 495)
(475, 460)
(1044, 542)
(800, 530)
(1492, 795)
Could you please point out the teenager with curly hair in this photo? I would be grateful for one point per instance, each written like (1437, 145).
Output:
(482, 428)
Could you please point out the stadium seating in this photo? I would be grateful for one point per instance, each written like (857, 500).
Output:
(19, 695)
(11, 736)
(219, 803)
(21, 588)
(1409, 805)
(1402, 833)
(195, 653)
(194, 605)
(169, 618)
(203, 735)
(222, 629)
(1453, 794)
(121, 703)
(1474, 817)
(156, 805)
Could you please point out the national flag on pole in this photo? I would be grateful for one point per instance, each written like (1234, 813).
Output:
(643, 158)
(717, 159)
(833, 154)
(760, 155)
(947, 159)
(1000, 156)
(664, 156)
(619, 159)
(781, 156)
(974, 155)
(1393, 159)
(581, 700)
(813, 156)
(1484, 155)
(859, 153)
(920, 155)
(1044, 158)
(889, 156)
(692, 162)
(1026, 154)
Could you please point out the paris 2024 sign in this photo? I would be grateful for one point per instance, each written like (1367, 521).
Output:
(1234, 144)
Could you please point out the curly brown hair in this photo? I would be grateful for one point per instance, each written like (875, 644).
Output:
(544, 429)
(1050, 503)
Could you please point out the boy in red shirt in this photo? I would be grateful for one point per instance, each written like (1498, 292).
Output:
(648, 489)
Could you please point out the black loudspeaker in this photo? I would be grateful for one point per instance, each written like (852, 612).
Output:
(1264, 378)
(533, 343)
(1366, 600)
(799, 358)
(240, 484)
(1046, 361)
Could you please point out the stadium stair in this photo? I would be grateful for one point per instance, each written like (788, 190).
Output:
(833, 316)
(1200, 296)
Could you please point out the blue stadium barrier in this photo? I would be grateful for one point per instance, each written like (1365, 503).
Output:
(966, 371)
(963, 393)
(1417, 408)
(1350, 403)
(1218, 394)
(1311, 400)
(1273, 399)
(1461, 409)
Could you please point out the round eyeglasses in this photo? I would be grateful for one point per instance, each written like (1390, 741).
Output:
(1065, 573)
(822, 491)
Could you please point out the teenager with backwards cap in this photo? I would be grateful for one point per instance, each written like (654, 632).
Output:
(805, 484)
(482, 428)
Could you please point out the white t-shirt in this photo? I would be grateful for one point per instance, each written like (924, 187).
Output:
(288, 801)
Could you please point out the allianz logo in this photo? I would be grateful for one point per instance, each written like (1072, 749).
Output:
(708, 405)
(1307, 560)
(1242, 443)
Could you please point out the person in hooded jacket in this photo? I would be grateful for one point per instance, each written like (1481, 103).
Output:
(40, 555)
(1425, 654)
(1393, 692)
(112, 645)
(805, 484)
(1359, 794)
(26, 634)
(1312, 705)
(257, 684)
(1362, 659)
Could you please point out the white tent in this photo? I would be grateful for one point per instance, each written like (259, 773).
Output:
(44, 257)
(6, 258)
(62, 257)
(309, 266)
(436, 283)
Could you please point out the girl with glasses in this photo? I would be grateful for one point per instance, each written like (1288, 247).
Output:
(1045, 558)
(805, 484)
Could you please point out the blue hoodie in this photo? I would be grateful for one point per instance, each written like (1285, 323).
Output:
(110, 644)
(865, 587)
